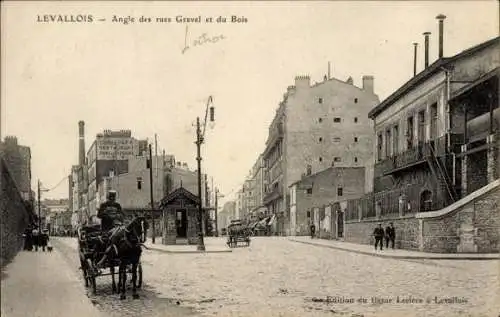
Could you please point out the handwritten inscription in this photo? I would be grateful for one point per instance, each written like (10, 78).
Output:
(203, 39)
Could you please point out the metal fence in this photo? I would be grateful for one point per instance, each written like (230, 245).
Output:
(401, 201)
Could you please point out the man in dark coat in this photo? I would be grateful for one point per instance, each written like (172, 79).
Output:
(378, 233)
(43, 239)
(390, 235)
(110, 212)
(313, 230)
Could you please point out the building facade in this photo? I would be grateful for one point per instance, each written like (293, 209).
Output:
(109, 155)
(316, 127)
(315, 191)
(436, 173)
(18, 159)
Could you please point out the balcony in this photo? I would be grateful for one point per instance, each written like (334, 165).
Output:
(273, 194)
(410, 158)
(275, 134)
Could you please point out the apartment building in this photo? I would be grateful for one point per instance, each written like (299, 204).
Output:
(316, 127)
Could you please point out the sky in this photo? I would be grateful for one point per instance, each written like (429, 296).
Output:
(136, 76)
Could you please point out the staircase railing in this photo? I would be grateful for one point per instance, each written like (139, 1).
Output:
(444, 174)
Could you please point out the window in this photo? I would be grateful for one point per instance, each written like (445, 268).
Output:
(355, 119)
(309, 191)
(434, 118)
(320, 139)
(340, 191)
(320, 159)
(337, 159)
(309, 170)
(379, 147)
(388, 141)
(139, 183)
(336, 120)
(320, 120)
(355, 100)
(355, 160)
(308, 214)
(320, 100)
(336, 139)
(355, 139)
(395, 147)
(421, 126)
(409, 133)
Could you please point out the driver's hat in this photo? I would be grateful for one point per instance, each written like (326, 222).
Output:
(112, 193)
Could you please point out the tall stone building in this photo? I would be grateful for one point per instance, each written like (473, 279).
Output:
(316, 127)
(18, 159)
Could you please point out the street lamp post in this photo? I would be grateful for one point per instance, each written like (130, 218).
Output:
(151, 194)
(199, 141)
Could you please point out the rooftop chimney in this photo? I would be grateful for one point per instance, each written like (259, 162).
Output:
(368, 83)
(81, 143)
(441, 18)
(426, 34)
(415, 45)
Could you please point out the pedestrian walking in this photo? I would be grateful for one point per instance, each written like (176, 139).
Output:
(313, 230)
(378, 233)
(34, 235)
(390, 235)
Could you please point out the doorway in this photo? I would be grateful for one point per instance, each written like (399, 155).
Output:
(181, 223)
(340, 224)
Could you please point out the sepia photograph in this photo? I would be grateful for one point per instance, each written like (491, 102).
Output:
(250, 158)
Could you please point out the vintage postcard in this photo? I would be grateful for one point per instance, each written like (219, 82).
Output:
(260, 158)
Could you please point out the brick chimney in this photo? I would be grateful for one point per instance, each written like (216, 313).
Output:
(302, 82)
(368, 83)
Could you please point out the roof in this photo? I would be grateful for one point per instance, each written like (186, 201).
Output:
(478, 81)
(181, 191)
(309, 179)
(426, 73)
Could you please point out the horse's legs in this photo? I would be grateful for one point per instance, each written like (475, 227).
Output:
(112, 270)
(123, 274)
(134, 280)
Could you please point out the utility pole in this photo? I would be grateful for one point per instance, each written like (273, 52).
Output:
(151, 193)
(156, 155)
(216, 209)
(39, 208)
(199, 139)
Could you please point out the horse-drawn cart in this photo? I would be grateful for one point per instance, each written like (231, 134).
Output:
(238, 232)
(92, 245)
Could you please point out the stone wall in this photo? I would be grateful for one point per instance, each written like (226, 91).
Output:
(407, 231)
(14, 217)
(470, 225)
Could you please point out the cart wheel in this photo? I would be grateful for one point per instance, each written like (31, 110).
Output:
(139, 275)
(91, 276)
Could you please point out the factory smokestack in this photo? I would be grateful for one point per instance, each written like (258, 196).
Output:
(441, 18)
(81, 142)
(415, 58)
(426, 48)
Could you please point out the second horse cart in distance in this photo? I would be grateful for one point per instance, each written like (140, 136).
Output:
(92, 246)
(238, 232)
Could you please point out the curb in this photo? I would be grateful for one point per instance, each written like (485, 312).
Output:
(188, 252)
(401, 257)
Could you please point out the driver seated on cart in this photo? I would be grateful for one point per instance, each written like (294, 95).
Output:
(112, 221)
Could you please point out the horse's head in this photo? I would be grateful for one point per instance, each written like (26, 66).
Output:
(135, 229)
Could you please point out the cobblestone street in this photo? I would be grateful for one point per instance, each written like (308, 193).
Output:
(277, 277)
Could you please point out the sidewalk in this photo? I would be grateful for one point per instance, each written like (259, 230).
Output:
(39, 284)
(212, 245)
(390, 253)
